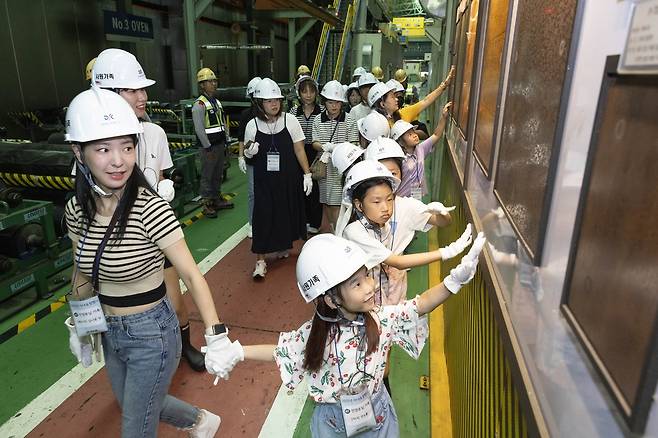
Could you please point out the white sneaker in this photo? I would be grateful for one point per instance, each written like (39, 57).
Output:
(282, 254)
(249, 234)
(260, 270)
(311, 230)
(207, 425)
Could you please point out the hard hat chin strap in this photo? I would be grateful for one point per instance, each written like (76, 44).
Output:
(359, 321)
(84, 170)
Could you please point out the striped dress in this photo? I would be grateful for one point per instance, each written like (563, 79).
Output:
(338, 130)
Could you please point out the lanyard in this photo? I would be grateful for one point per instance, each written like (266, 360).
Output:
(95, 281)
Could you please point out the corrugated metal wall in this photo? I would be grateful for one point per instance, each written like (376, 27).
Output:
(484, 398)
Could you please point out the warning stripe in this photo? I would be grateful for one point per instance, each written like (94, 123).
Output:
(37, 181)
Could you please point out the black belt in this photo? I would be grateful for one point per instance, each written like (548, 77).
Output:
(149, 297)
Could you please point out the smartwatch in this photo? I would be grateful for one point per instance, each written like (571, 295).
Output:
(216, 329)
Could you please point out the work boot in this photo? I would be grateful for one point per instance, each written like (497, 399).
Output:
(209, 209)
(193, 356)
(222, 204)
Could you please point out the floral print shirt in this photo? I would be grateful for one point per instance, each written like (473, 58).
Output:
(399, 324)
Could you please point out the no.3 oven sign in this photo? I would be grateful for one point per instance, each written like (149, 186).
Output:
(125, 27)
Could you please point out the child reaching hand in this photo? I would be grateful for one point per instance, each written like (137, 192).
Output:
(342, 351)
(413, 165)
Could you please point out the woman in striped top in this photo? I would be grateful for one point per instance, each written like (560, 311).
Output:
(306, 112)
(121, 231)
(331, 127)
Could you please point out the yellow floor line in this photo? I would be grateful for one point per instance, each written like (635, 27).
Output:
(441, 423)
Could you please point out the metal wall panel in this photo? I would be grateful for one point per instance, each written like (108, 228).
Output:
(490, 83)
(537, 73)
(610, 289)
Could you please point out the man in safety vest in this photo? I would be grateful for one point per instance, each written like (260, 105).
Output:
(210, 128)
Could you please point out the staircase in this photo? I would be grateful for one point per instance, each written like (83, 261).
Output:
(334, 44)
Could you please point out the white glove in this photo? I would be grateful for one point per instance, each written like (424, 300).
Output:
(80, 346)
(166, 190)
(221, 355)
(458, 245)
(242, 165)
(308, 184)
(465, 271)
(438, 208)
(328, 147)
(252, 150)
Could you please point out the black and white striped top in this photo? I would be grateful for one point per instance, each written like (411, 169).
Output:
(336, 131)
(135, 263)
(306, 122)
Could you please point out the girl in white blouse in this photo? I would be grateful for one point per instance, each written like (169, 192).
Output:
(342, 351)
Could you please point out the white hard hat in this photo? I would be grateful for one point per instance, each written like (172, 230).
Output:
(366, 79)
(377, 92)
(326, 261)
(373, 125)
(399, 128)
(304, 78)
(344, 155)
(333, 90)
(95, 114)
(267, 89)
(382, 148)
(251, 86)
(353, 85)
(116, 68)
(363, 171)
(396, 85)
(359, 71)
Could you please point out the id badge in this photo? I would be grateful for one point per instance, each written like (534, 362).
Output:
(273, 161)
(417, 193)
(358, 414)
(88, 316)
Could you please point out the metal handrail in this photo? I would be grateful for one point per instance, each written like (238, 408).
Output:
(322, 46)
(344, 41)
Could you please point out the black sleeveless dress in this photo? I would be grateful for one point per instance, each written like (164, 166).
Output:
(278, 219)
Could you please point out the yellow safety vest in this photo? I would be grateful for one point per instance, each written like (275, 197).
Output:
(214, 120)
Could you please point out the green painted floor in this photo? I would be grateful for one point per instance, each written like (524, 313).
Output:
(33, 360)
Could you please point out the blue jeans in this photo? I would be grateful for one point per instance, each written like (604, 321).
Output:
(327, 420)
(142, 352)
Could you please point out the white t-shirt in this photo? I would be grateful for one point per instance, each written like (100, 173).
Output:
(152, 153)
(291, 122)
(360, 111)
(409, 216)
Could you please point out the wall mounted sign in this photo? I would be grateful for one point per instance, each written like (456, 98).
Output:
(641, 50)
(119, 26)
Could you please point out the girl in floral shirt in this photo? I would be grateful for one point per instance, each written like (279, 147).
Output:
(343, 349)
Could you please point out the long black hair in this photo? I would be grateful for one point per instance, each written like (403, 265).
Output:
(86, 197)
(321, 330)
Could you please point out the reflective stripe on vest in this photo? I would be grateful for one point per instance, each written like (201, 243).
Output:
(212, 122)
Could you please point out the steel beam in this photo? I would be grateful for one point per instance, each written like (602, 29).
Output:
(304, 30)
(317, 12)
(292, 53)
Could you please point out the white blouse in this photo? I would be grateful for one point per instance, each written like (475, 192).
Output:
(399, 324)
